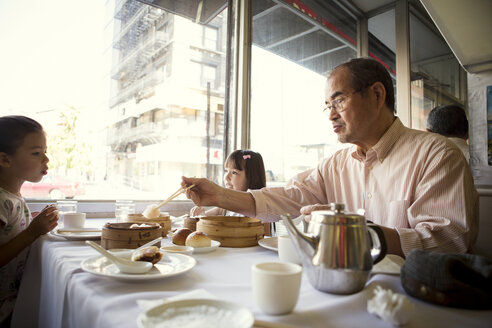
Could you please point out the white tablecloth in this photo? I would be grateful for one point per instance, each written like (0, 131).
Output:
(56, 292)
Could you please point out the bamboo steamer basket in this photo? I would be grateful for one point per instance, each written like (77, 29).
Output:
(120, 235)
(164, 220)
(232, 231)
(190, 223)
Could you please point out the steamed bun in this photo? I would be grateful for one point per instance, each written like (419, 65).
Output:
(198, 239)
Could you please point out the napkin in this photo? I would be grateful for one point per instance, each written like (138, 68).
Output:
(194, 294)
(392, 307)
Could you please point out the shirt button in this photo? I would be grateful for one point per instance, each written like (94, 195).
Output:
(369, 195)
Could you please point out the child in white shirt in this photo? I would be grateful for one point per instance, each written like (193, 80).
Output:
(22, 158)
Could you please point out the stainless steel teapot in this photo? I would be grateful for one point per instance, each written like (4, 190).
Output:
(338, 250)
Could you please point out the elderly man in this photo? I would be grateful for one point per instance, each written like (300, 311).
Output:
(414, 184)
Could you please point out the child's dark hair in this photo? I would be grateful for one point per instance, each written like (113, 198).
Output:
(13, 130)
(252, 164)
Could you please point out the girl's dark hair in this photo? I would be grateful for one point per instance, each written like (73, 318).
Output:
(13, 130)
(252, 164)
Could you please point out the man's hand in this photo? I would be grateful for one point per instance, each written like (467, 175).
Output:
(204, 193)
(207, 193)
(197, 211)
(306, 210)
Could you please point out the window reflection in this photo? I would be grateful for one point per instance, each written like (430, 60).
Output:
(437, 77)
(294, 47)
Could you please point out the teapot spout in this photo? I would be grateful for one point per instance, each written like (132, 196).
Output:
(305, 245)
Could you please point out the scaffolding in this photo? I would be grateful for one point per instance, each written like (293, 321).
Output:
(138, 43)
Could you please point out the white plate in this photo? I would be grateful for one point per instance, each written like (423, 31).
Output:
(177, 249)
(172, 265)
(201, 312)
(269, 243)
(82, 235)
(198, 250)
(390, 264)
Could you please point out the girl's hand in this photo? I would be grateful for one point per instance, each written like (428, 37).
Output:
(45, 221)
(197, 211)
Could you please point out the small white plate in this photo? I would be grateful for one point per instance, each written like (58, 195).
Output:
(172, 265)
(390, 264)
(178, 249)
(213, 247)
(269, 243)
(198, 250)
(200, 312)
(79, 235)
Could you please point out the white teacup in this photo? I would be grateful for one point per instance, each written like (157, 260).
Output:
(287, 252)
(74, 220)
(276, 286)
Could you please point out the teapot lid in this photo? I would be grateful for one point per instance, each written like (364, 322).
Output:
(336, 215)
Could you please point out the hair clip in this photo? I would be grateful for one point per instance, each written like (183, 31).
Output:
(246, 156)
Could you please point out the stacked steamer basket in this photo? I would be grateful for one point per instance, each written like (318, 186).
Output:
(232, 231)
(163, 220)
(190, 223)
(120, 235)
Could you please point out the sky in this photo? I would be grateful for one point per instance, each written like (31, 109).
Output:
(54, 54)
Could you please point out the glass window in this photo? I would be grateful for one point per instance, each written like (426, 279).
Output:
(294, 47)
(116, 93)
(210, 37)
(437, 77)
(382, 41)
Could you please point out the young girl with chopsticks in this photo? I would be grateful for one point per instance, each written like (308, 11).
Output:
(22, 158)
(244, 169)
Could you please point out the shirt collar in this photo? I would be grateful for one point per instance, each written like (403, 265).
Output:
(384, 145)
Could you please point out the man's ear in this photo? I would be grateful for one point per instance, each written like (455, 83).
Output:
(380, 92)
(5, 160)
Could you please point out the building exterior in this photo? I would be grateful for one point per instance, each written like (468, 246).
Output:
(167, 97)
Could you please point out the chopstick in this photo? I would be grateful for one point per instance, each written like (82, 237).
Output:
(79, 230)
(176, 194)
(269, 324)
(150, 243)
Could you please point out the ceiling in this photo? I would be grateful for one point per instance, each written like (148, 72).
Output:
(197, 10)
(466, 27)
(286, 29)
(463, 24)
(295, 30)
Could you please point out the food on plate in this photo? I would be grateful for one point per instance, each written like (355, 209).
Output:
(149, 254)
(143, 225)
(198, 239)
(179, 237)
(152, 211)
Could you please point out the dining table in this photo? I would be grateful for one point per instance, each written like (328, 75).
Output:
(57, 292)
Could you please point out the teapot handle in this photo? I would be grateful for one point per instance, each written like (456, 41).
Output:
(378, 243)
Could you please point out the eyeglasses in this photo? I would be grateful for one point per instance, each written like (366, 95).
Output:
(336, 104)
